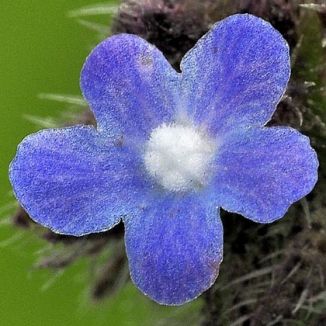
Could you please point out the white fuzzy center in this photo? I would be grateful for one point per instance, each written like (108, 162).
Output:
(178, 156)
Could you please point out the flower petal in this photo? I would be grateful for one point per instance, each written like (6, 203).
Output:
(261, 172)
(175, 249)
(73, 180)
(129, 85)
(236, 74)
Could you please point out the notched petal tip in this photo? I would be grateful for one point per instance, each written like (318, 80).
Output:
(261, 172)
(61, 177)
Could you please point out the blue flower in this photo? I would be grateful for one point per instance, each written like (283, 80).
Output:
(169, 150)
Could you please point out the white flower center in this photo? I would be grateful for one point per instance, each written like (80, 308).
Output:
(178, 156)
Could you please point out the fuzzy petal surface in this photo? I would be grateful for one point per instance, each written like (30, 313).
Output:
(175, 248)
(261, 172)
(74, 180)
(235, 75)
(129, 85)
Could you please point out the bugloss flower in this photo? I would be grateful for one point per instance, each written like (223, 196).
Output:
(169, 150)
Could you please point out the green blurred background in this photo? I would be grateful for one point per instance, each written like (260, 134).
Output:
(42, 51)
